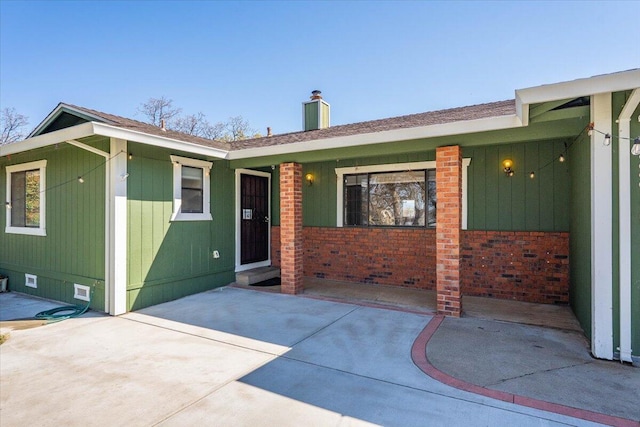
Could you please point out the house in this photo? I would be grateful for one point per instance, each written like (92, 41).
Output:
(532, 199)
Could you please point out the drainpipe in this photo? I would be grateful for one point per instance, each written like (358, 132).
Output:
(624, 175)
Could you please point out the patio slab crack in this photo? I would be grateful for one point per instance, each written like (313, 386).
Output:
(502, 381)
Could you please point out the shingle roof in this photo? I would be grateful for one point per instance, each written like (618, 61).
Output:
(473, 112)
(147, 128)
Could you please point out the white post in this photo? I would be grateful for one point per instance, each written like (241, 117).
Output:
(117, 239)
(601, 231)
(624, 236)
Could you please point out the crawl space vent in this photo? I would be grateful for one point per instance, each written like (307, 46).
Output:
(81, 292)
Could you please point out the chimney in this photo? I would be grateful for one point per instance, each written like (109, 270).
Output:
(315, 113)
(269, 131)
(162, 125)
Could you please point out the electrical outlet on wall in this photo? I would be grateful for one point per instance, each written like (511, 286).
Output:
(216, 254)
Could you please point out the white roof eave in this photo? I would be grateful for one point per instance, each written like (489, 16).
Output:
(100, 129)
(431, 131)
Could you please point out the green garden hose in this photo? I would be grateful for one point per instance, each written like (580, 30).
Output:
(65, 312)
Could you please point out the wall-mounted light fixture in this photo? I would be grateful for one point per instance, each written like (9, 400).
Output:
(309, 178)
(635, 147)
(507, 166)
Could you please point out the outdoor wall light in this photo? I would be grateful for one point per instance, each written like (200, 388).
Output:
(507, 166)
(309, 178)
(635, 147)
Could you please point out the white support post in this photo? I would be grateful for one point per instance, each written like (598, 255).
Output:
(624, 236)
(117, 227)
(601, 230)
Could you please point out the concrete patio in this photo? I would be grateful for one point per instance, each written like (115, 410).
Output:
(240, 357)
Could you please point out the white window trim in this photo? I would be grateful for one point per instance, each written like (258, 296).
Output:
(32, 231)
(395, 167)
(177, 215)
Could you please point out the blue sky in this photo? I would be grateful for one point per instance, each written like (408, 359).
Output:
(262, 59)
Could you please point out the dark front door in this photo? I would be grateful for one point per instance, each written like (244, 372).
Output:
(254, 218)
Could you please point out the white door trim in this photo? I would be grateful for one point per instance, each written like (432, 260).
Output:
(267, 263)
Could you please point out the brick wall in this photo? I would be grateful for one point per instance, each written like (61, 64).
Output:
(386, 256)
(523, 266)
(448, 229)
(488, 268)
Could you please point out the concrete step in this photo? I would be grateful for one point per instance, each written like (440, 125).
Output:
(256, 275)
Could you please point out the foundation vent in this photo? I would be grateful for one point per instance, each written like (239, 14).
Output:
(31, 281)
(81, 292)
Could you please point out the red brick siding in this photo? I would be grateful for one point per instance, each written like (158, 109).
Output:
(275, 246)
(386, 256)
(348, 254)
(291, 256)
(523, 266)
(449, 221)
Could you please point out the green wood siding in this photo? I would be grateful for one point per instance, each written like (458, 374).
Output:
(518, 203)
(311, 116)
(635, 239)
(73, 249)
(580, 232)
(168, 260)
(495, 202)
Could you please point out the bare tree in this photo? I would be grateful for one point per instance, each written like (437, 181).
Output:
(238, 128)
(158, 109)
(192, 124)
(216, 131)
(13, 126)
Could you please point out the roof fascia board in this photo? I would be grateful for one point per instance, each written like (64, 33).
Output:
(158, 141)
(75, 132)
(431, 131)
(57, 111)
(581, 87)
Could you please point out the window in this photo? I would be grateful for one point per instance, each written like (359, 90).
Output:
(191, 199)
(396, 195)
(402, 199)
(26, 198)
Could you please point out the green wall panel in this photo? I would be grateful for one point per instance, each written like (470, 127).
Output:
(73, 249)
(635, 240)
(495, 201)
(166, 257)
(499, 202)
(580, 232)
(311, 116)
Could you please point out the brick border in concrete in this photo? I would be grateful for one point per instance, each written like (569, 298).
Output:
(421, 360)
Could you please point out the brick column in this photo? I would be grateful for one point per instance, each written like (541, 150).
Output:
(291, 228)
(448, 225)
